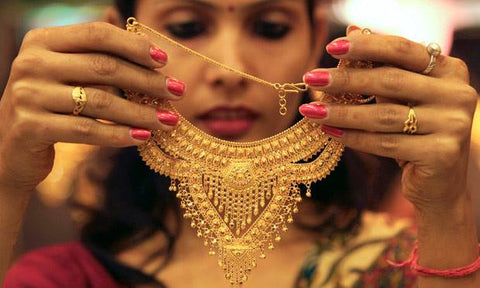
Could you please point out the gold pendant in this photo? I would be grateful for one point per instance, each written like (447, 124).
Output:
(240, 196)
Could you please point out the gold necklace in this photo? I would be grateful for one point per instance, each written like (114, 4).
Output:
(239, 196)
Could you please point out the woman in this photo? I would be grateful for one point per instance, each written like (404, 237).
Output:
(36, 112)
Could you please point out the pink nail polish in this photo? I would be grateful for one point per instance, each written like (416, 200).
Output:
(167, 117)
(339, 47)
(140, 134)
(333, 131)
(315, 111)
(158, 55)
(317, 78)
(176, 87)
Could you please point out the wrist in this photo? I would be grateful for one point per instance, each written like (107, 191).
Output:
(453, 214)
(450, 229)
(8, 184)
(12, 190)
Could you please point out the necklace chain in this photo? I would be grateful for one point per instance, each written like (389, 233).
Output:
(240, 197)
(282, 88)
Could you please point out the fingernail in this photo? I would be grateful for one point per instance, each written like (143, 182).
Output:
(176, 87)
(140, 134)
(167, 117)
(338, 47)
(317, 78)
(333, 131)
(315, 111)
(158, 55)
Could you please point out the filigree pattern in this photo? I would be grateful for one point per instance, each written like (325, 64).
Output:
(240, 197)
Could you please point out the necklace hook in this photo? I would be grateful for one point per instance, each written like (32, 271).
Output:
(284, 89)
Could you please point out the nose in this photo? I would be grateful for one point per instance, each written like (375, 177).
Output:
(226, 48)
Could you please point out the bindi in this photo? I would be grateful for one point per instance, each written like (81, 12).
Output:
(231, 8)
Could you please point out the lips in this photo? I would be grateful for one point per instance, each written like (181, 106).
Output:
(228, 122)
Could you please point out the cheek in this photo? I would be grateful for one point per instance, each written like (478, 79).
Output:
(187, 69)
(182, 65)
(285, 61)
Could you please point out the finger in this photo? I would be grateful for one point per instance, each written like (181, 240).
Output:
(105, 105)
(395, 146)
(389, 82)
(84, 130)
(352, 28)
(385, 118)
(99, 37)
(392, 50)
(101, 69)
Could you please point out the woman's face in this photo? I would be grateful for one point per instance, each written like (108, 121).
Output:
(271, 39)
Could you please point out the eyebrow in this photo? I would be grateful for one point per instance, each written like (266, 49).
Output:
(265, 2)
(195, 2)
(212, 6)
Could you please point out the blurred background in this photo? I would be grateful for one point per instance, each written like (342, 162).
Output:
(453, 24)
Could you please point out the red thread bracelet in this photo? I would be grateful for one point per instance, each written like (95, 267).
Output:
(412, 262)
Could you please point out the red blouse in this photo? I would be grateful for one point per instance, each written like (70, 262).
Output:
(65, 265)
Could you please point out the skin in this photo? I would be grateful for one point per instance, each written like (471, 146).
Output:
(35, 113)
(209, 86)
(434, 174)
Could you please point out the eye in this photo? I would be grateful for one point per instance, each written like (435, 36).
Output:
(270, 30)
(186, 29)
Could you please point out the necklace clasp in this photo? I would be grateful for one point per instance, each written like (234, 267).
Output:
(283, 89)
(291, 87)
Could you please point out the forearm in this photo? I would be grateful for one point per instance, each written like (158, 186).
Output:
(12, 208)
(447, 239)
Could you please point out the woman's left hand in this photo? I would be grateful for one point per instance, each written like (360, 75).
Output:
(436, 156)
(434, 159)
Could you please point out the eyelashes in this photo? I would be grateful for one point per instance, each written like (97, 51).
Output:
(191, 29)
(187, 29)
(270, 30)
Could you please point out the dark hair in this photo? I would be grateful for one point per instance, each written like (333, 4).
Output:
(126, 7)
(137, 203)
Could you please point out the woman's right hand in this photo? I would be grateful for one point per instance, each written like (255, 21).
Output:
(36, 107)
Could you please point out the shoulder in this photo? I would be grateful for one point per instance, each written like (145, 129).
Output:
(361, 260)
(397, 249)
(61, 265)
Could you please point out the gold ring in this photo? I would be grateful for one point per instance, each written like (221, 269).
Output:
(411, 123)
(434, 50)
(80, 99)
(366, 31)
